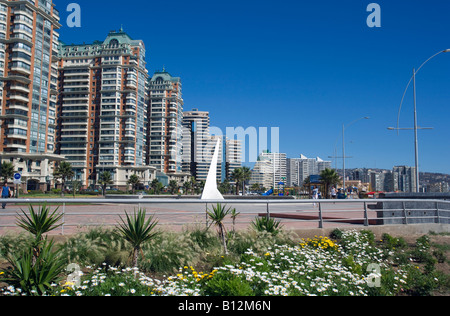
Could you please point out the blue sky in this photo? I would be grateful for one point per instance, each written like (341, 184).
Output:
(307, 67)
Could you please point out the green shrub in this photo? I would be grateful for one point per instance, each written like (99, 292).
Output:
(11, 244)
(393, 243)
(227, 285)
(167, 252)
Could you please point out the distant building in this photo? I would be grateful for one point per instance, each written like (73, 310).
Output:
(299, 169)
(199, 146)
(404, 179)
(270, 170)
(195, 140)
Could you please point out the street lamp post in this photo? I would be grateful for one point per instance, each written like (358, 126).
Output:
(416, 128)
(343, 148)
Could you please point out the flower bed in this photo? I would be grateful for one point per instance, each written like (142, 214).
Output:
(354, 265)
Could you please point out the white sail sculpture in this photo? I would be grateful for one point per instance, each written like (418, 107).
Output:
(210, 192)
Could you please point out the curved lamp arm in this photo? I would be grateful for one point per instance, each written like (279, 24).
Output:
(409, 83)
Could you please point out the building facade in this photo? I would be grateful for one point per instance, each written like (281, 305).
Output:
(165, 123)
(195, 141)
(28, 72)
(199, 146)
(269, 170)
(102, 107)
(299, 169)
(404, 179)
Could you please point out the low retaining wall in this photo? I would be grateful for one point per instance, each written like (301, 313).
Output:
(413, 212)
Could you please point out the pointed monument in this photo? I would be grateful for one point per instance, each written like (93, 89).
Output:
(210, 192)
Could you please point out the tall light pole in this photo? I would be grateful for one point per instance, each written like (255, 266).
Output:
(343, 146)
(416, 128)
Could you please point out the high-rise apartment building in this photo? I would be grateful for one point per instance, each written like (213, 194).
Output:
(195, 140)
(299, 169)
(165, 123)
(102, 108)
(404, 179)
(28, 72)
(269, 170)
(199, 147)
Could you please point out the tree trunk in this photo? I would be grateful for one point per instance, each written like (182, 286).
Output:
(222, 235)
(135, 257)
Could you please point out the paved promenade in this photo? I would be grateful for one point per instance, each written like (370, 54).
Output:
(179, 216)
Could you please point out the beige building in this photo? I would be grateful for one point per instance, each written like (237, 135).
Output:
(102, 107)
(165, 123)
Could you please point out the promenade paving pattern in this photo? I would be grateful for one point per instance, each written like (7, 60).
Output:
(180, 216)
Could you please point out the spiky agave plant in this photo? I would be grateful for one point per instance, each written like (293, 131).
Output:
(35, 277)
(39, 223)
(137, 230)
(218, 215)
(266, 224)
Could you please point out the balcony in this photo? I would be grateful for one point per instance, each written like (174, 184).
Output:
(19, 97)
(20, 88)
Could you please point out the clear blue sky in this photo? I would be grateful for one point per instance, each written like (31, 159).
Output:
(307, 67)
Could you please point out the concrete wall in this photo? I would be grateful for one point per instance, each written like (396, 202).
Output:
(413, 212)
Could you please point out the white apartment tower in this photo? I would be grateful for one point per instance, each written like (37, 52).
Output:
(269, 170)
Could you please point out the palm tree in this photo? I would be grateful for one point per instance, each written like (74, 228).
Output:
(256, 187)
(7, 171)
(329, 177)
(104, 179)
(134, 181)
(246, 176)
(64, 172)
(156, 186)
(137, 230)
(217, 215)
(234, 215)
(76, 186)
(187, 186)
(173, 186)
(237, 177)
(225, 187)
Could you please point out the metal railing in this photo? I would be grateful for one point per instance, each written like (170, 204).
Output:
(315, 213)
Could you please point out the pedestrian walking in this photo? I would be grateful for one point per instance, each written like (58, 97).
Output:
(315, 194)
(333, 193)
(6, 193)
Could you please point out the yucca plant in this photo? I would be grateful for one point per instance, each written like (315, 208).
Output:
(217, 216)
(137, 230)
(234, 216)
(39, 223)
(266, 224)
(35, 277)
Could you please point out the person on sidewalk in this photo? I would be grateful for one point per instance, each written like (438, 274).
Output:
(6, 193)
(315, 194)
